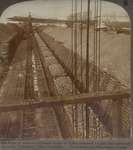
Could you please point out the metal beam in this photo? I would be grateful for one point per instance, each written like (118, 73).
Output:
(44, 20)
(67, 100)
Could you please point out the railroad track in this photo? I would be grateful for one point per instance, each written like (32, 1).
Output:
(26, 83)
(28, 127)
(13, 87)
(36, 87)
(39, 78)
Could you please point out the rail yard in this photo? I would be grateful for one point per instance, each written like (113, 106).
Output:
(38, 68)
(64, 82)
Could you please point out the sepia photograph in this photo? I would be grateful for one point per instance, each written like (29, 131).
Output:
(65, 69)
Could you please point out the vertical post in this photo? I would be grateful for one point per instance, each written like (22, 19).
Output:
(87, 121)
(75, 41)
(131, 63)
(87, 68)
(116, 118)
(72, 44)
(87, 48)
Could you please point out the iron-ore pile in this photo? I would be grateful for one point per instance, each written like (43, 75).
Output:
(62, 83)
(61, 80)
(115, 49)
(108, 81)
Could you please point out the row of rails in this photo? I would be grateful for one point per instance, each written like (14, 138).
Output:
(95, 115)
(12, 91)
(18, 87)
(26, 84)
(28, 124)
(7, 51)
(35, 89)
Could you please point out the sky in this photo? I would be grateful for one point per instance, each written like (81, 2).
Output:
(59, 9)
